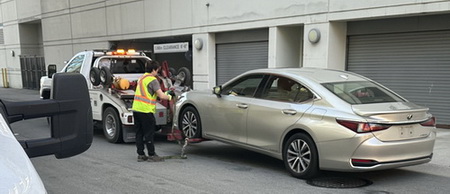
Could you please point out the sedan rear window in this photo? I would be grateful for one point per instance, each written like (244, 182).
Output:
(362, 92)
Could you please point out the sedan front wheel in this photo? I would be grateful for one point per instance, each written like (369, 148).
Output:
(190, 123)
(300, 156)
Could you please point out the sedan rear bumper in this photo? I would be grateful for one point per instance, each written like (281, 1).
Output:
(373, 154)
(391, 164)
(393, 154)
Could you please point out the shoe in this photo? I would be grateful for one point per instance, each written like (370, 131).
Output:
(142, 158)
(155, 158)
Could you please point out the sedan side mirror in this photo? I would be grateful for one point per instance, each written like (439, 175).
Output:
(71, 117)
(217, 91)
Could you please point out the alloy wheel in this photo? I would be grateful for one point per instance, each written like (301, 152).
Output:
(189, 124)
(299, 156)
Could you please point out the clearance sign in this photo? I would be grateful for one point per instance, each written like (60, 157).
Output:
(171, 47)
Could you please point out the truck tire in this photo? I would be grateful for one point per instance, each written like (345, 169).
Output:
(94, 76)
(173, 72)
(112, 126)
(190, 123)
(46, 94)
(105, 76)
(185, 75)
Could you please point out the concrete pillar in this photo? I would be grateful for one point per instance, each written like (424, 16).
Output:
(285, 47)
(204, 61)
(330, 50)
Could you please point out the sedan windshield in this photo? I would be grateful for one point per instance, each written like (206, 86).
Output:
(362, 92)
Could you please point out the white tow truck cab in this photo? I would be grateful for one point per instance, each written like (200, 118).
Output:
(111, 101)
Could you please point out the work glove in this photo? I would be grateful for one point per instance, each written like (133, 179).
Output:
(169, 93)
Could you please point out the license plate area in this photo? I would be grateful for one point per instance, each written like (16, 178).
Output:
(406, 131)
(403, 132)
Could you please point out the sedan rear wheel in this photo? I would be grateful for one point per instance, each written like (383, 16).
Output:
(190, 123)
(300, 156)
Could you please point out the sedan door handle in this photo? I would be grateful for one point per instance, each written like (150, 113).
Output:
(289, 111)
(243, 106)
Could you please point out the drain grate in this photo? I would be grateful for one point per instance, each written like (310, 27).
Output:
(339, 182)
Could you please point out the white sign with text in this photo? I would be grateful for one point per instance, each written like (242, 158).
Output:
(171, 47)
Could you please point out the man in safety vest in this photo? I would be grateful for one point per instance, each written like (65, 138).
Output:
(144, 106)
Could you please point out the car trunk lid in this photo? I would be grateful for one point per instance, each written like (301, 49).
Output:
(404, 118)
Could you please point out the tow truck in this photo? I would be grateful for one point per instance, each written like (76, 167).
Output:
(111, 79)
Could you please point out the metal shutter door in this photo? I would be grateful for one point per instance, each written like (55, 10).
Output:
(416, 65)
(236, 58)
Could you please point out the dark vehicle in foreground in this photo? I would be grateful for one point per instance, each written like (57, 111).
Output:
(70, 118)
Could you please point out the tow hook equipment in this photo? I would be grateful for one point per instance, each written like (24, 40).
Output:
(182, 155)
(177, 135)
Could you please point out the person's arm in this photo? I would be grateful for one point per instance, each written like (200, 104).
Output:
(154, 86)
(163, 96)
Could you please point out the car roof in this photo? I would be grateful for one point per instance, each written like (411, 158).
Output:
(318, 75)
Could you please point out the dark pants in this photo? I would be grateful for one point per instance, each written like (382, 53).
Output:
(145, 132)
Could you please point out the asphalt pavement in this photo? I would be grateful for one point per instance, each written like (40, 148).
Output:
(211, 167)
(14, 94)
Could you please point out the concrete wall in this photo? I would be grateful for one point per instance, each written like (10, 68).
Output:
(100, 21)
(28, 10)
(285, 47)
(15, 12)
(203, 61)
(69, 26)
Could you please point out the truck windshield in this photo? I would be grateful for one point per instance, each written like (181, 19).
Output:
(124, 65)
(362, 92)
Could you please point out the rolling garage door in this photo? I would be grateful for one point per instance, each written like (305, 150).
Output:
(233, 59)
(416, 65)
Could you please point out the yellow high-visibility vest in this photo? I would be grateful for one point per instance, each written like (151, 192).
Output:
(143, 100)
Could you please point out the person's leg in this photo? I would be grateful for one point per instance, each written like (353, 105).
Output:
(150, 136)
(138, 122)
(149, 132)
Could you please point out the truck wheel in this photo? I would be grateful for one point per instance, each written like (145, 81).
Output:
(300, 156)
(185, 76)
(94, 76)
(173, 72)
(112, 127)
(190, 123)
(105, 76)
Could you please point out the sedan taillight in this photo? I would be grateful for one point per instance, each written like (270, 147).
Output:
(362, 127)
(429, 123)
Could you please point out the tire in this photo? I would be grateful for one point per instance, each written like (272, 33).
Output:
(105, 76)
(94, 76)
(173, 72)
(112, 127)
(190, 123)
(46, 94)
(185, 75)
(300, 156)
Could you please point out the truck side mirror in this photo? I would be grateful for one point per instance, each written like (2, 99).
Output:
(51, 69)
(71, 117)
